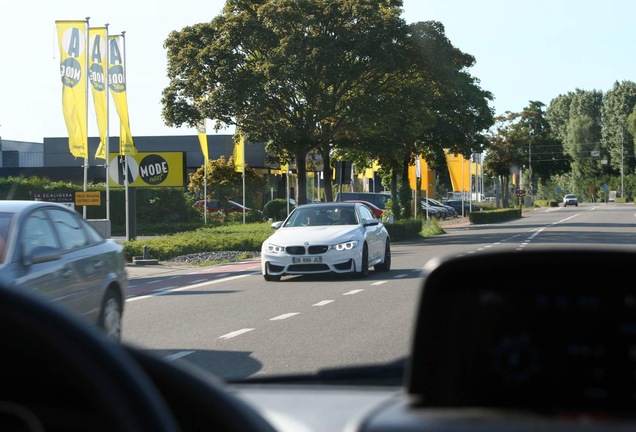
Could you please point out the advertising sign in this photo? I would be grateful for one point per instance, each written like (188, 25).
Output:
(147, 169)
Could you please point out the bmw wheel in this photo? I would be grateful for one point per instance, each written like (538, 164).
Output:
(363, 271)
(268, 277)
(385, 265)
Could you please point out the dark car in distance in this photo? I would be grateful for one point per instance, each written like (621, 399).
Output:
(463, 207)
(215, 206)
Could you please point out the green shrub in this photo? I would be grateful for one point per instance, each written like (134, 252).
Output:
(405, 229)
(276, 209)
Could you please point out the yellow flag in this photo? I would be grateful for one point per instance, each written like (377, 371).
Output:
(117, 86)
(98, 66)
(239, 155)
(459, 169)
(72, 45)
(203, 140)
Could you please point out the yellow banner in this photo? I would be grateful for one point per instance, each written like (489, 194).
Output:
(426, 177)
(98, 65)
(239, 154)
(117, 86)
(459, 170)
(203, 140)
(72, 44)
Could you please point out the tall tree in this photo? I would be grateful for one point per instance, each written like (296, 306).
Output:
(291, 73)
(616, 137)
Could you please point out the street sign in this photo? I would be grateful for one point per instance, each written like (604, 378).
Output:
(92, 198)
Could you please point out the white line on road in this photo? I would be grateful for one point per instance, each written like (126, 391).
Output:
(353, 292)
(198, 281)
(284, 316)
(189, 287)
(379, 282)
(322, 303)
(235, 333)
(175, 356)
(400, 276)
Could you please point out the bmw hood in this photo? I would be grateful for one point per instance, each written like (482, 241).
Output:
(314, 235)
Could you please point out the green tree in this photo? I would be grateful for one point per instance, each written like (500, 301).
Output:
(289, 73)
(616, 136)
(224, 183)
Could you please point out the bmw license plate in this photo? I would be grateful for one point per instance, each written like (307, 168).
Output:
(307, 260)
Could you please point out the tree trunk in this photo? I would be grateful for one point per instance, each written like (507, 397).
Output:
(327, 174)
(301, 173)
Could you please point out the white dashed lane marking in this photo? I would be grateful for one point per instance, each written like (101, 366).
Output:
(353, 292)
(322, 303)
(235, 333)
(284, 316)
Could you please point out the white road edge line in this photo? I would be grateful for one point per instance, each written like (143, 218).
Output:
(210, 282)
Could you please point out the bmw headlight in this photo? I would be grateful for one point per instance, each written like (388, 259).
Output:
(346, 245)
(272, 248)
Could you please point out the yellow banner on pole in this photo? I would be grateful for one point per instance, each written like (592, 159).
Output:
(117, 86)
(72, 45)
(98, 65)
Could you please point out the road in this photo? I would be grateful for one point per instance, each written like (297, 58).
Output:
(228, 320)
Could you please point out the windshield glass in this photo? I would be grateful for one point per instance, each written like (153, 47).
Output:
(218, 141)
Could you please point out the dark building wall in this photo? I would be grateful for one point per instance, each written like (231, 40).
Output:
(57, 154)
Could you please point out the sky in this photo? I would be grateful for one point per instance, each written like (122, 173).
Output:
(524, 51)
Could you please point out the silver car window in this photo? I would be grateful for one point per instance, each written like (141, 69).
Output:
(69, 228)
(37, 231)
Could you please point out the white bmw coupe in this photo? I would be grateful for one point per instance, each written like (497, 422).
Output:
(336, 237)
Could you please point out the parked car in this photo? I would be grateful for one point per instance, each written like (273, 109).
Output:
(451, 212)
(433, 211)
(377, 211)
(570, 199)
(215, 206)
(49, 249)
(342, 238)
(379, 199)
(463, 207)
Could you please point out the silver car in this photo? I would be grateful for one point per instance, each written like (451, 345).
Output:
(49, 249)
(570, 199)
(326, 238)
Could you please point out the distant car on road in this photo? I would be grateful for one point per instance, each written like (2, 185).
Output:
(215, 206)
(49, 250)
(570, 199)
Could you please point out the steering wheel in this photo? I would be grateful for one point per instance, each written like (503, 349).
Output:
(59, 374)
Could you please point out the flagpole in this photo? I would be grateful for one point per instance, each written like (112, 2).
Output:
(243, 182)
(107, 143)
(123, 38)
(86, 114)
(205, 192)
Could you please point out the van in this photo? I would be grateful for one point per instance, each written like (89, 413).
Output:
(379, 199)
